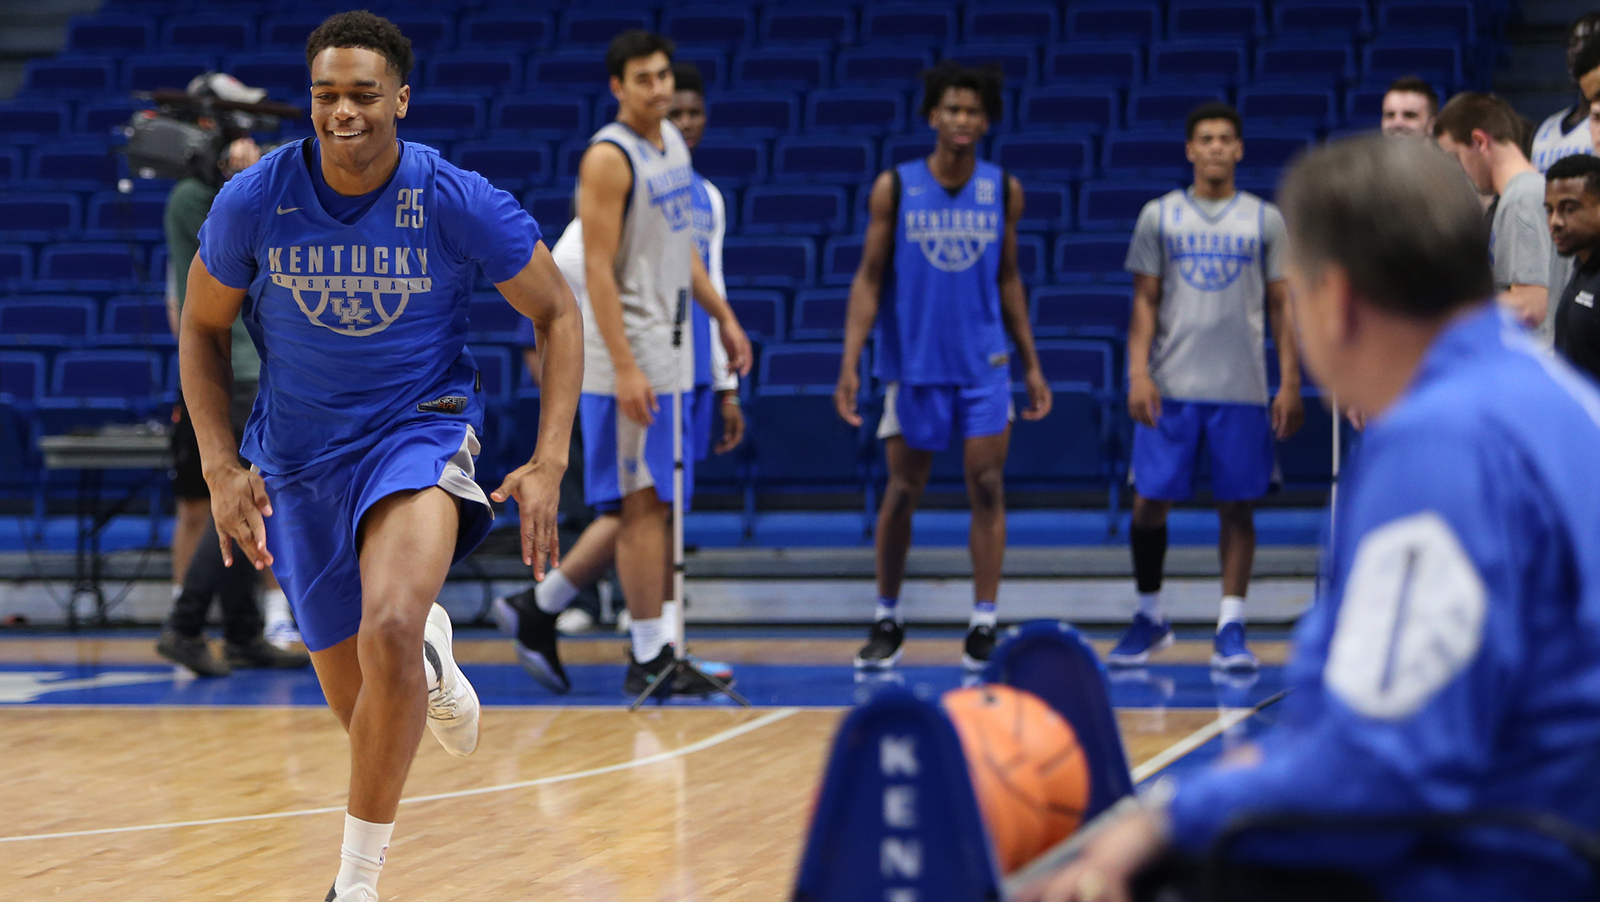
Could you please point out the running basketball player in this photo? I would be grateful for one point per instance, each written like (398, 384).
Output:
(940, 259)
(633, 245)
(1207, 274)
(351, 255)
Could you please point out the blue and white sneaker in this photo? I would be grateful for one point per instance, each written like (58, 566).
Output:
(1143, 637)
(1229, 651)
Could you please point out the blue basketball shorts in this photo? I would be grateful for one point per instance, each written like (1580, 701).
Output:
(697, 432)
(621, 457)
(316, 516)
(928, 416)
(1238, 441)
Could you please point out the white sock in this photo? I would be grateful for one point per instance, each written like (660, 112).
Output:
(362, 854)
(1150, 605)
(887, 609)
(555, 593)
(176, 591)
(982, 615)
(669, 616)
(649, 637)
(1232, 611)
(275, 606)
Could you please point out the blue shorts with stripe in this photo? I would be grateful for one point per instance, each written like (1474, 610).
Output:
(929, 416)
(621, 457)
(1238, 443)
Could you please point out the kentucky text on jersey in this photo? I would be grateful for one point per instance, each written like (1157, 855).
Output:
(672, 190)
(354, 259)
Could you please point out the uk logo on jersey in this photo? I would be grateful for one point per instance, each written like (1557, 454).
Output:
(1212, 262)
(673, 192)
(952, 240)
(354, 290)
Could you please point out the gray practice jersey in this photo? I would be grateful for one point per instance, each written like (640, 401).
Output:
(1214, 259)
(654, 263)
(1519, 239)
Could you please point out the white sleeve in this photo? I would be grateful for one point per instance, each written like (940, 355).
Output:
(722, 378)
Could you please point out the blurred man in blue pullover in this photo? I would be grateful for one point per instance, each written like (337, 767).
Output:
(1454, 665)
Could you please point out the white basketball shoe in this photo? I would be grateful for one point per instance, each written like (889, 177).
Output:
(452, 702)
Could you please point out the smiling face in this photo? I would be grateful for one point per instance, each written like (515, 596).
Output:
(356, 98)
(959, 120)
(1407, 113)
(644, 92)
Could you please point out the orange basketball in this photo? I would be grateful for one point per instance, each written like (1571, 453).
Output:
(1028, 771)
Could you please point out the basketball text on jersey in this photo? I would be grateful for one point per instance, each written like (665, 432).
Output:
(1211, 261)
(672, 190)
(343, 287)
(953, 240)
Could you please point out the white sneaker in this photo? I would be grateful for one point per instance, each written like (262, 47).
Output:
(624, 622)
(574, 621)
(281, 634)
(453, 706)
(354, 894)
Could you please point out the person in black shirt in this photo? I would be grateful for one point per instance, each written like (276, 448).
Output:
(1572, 206)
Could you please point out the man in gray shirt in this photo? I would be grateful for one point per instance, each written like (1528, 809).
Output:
(1483, 133)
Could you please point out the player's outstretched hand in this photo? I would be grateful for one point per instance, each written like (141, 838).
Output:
(239, 505)
(1107, 865)
(1040, 398)
(1288, 413)
(537, 488)
(737, 344)
(844, 396)
(732, 426)
(636, 397)
(1144, 400)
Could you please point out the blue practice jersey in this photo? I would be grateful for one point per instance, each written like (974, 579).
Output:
(939, 320)
(1454, 663)
(704, 222)
(361, 327)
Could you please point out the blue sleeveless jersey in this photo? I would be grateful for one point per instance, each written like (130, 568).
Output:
(939, 321)
(361, 328)
(704, 223)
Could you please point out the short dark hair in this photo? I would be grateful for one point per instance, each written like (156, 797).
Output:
(1472, 111)
(636, 43)
(1411, 84)
(1212, 110)
(1578, 166)
(360, 28)
(686, 77)
(1588, 58)
(985, 80)
(1397, 217)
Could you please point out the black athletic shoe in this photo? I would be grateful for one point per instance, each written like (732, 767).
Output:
(642, 676)
(535, 632)
(695, 684)
(882, 650)
(978, 648)
(259, 654)
(192, 652)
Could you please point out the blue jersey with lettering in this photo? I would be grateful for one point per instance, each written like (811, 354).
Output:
(361, 327)
(1454, 663)
(939, 320)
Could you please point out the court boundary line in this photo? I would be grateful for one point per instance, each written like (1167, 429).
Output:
(1165, 758)
(711, 741)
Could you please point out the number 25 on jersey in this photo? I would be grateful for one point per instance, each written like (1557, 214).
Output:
(409, 211)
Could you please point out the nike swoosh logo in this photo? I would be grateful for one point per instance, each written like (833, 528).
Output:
(914, 191)
(282, 211)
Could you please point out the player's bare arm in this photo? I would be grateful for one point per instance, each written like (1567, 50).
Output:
(604, 180)
(865, 290)
(1529, 303)
(1288, 410)
(731, 334)
(1144, 399)
(1014, 310)
(205, 359)
(541, 294)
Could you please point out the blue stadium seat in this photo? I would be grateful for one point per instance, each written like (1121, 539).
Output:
(781, 68)
(928, 24)
(282, 73)
(725, 24)
(841, 257)
(491, 319)
(540, 116)
(1033, 255)
(1099, 311)
(809, 25)
(1090, 257)
(209, 33)
(106, 266)
(113, 216)
(107, 34)
(106, 374)
(40, 217)
(1346, 18)
(710, 59)
(596, 28)
(1433, 59)
(1026, 23)
(44, 77)
(1168, 104)
(768, 262)
(1311, 106)
(569, 154)
(1069, 107)
(763, 114)
(482, 71)
(1092, 62)
(732, 162)
(899, 148)
(796, 210)
(442, 117)
(1074, 444)
(506, 29)
(1216, 19)
(1019, 62)
(1452, 16)
(1329, 62)
(819, 314)
(137, 321)
(1156, 153)
(760, 313)
(1115, 203)
(1112, 20)
(75, 165)
(288, 31)
(1046, 207)
(1363, 104)
(1262, 186)
(1268, 150)
(99, 117)
(1199, 61)
(41, 321)
(605, 108)
(428, 31)
(10, 163)
(30, 121)
(16, 265)
(22, 375)
(498, 371)
(512, 164)
(551, 208)
(895, 67)
(579, 71)
(855, 111)
(834, 160)
(1045, 155)
(798, 441)
(170, 71)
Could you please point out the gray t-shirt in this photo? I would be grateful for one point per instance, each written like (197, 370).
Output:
(1214, 259)
(1519, 239)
